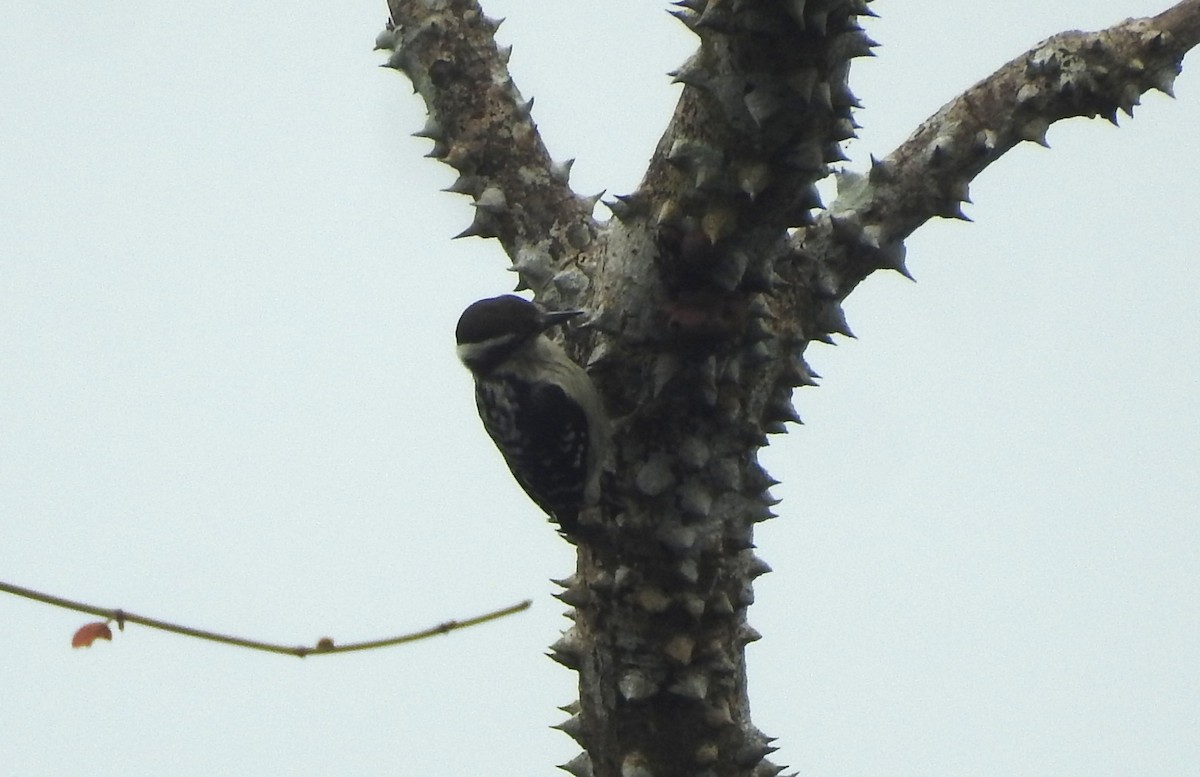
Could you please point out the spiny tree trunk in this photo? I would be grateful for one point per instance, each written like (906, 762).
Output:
(705, 290)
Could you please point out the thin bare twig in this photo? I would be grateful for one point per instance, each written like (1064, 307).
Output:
(323, 646)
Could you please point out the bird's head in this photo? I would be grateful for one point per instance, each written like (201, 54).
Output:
(494, 329)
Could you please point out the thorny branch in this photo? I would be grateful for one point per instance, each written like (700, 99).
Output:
(705, 288)
(1072, 74)
(482, 127)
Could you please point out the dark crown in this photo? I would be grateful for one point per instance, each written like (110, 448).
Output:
(497, 317)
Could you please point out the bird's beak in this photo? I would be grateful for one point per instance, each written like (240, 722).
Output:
(557, 317)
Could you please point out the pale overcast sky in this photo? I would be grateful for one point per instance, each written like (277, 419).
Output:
(229, 397)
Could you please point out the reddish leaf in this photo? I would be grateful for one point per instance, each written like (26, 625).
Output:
(90, 633)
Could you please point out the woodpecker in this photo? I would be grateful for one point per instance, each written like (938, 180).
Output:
(539, 407)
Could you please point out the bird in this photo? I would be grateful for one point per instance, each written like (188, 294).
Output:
(541, 409)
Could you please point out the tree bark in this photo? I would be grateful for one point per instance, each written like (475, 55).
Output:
(704, 291)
